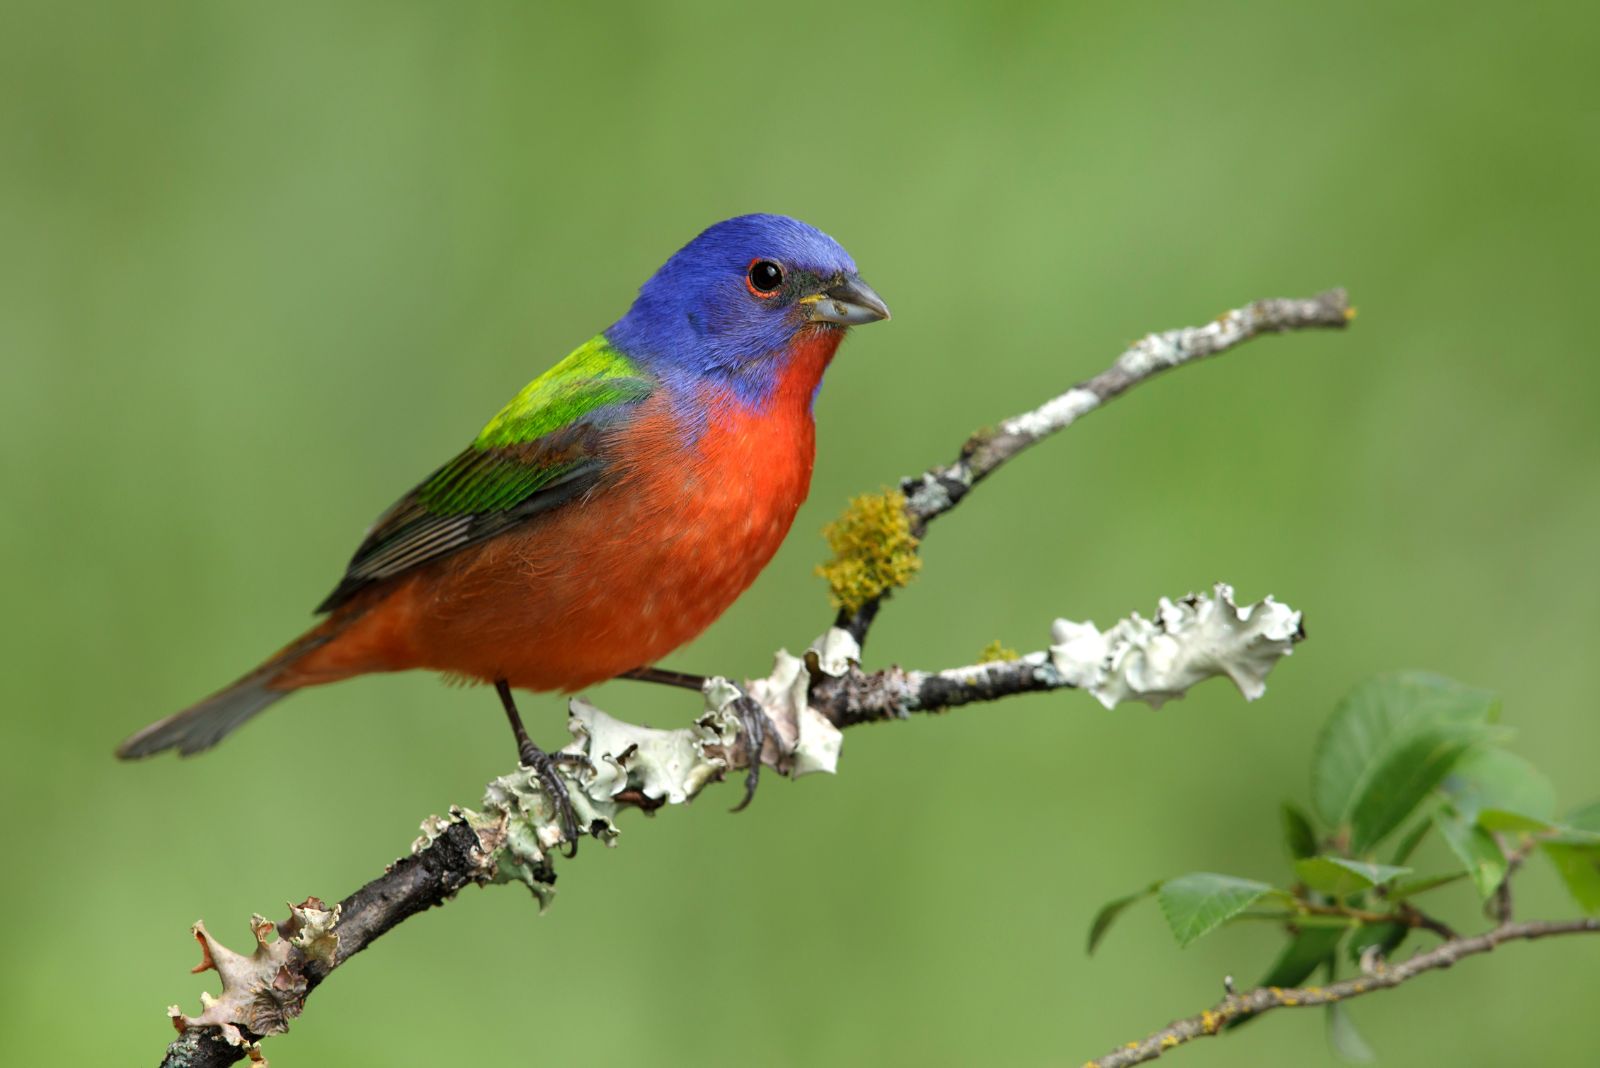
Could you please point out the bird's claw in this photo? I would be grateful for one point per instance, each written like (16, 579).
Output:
(754, 726)
(754, 723)
(544, 766)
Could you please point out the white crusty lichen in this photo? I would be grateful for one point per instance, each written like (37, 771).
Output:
(1054, 414)
(263, 991)
(1188, 641)
(807, 741)
(610, 764)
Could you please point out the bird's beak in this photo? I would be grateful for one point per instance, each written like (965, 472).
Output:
(848, 302)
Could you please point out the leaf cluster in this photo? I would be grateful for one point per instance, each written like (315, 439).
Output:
(1403, 756)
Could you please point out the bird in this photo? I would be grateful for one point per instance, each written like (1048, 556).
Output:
(607, 515)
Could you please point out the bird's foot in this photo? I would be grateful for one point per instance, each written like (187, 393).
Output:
(544, 766)
(754, 727)
(754, 723)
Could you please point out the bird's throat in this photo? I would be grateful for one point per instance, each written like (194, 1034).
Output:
(808, 357)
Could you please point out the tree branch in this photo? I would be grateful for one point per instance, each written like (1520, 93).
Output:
(410, 885)
(939, 489)
(1237, 1007)
(807, 700)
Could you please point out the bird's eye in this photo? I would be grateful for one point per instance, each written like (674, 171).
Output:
(764, 278)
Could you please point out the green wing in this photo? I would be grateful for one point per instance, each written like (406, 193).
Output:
(543, 449)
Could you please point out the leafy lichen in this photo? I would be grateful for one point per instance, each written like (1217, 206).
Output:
(874, 550)
(262, 992)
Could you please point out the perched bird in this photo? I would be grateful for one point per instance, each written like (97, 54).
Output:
(608, 514)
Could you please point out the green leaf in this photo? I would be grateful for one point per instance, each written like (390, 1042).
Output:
(1110, 911)
(1339, 876)
(1577, 858)
(1413, 887)
(1579, 867)
(1370, 722)
(1200, 902)
(1416, 762)
(1344, 1039)
(1298, 835)
(1586, 818)
(1475, 847)
(1307, 950)
(1492, 778)
(1496, 819)
(1581, 827)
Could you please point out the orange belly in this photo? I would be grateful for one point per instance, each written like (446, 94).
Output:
(610, 582)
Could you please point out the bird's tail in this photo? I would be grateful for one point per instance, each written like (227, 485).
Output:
(203, 725)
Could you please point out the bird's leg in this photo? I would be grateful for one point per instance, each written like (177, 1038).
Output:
(681, 679)
(543, 766)
(754, 723)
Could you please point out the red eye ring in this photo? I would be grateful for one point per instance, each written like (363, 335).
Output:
(763, 279)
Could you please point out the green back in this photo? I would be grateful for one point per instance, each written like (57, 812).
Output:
(522, 448)
(538, 452)
(594, 376)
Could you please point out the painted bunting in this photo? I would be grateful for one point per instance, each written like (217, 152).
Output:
(608, 514)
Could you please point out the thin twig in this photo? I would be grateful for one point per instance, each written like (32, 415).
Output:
(1237, 1007)
(410, 885)
(1414, 916)
(939, 489)
(1406, 914)
(1502, 906)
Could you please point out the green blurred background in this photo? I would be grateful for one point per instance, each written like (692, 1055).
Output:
(264, 265)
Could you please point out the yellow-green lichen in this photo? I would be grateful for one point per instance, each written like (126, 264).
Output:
(874, 550)
(994, 652)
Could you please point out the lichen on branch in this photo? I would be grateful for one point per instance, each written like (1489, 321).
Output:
(262, 992)
(1189, 640)
(874, 550)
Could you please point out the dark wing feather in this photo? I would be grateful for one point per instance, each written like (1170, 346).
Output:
(481, 493)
